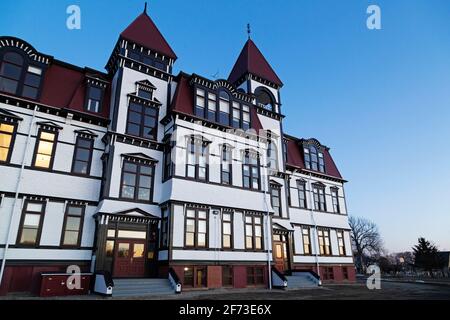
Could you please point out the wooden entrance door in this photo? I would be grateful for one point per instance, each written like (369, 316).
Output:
(129, 258)
(280, 252)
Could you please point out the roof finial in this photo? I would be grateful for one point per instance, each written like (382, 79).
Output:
(145, 7)
(249, 31)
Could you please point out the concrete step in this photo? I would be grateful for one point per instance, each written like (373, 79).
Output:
(141, 287)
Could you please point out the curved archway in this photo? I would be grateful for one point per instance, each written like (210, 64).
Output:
(265, 99)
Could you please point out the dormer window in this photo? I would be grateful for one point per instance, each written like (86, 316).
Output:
(219, 107)
(314, 159)
(94, 99)
(18, 77)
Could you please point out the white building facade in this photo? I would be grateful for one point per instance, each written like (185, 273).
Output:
(137, 171)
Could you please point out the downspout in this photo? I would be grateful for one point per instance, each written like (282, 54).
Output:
(316, 239)
(268, 240)
(16, 196)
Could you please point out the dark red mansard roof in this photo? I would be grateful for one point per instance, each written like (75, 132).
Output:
(295, 158)
(252, 61)
(64, 86)
(144, 32)
(183, 101)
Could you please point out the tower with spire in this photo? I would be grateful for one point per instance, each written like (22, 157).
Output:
(156, 175)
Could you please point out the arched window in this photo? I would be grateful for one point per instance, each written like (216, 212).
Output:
(18, 77)
(224, 107)
(314, 159)
(264, 99)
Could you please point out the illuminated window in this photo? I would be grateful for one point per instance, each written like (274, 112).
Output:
(306, 237)
(196, 233)
(324, 242)
(253, 233)
(7, 133)
(341, 243)
(45, 149)
(227, 241)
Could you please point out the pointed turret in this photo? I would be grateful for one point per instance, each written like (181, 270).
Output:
(251, 61)
(144, 32)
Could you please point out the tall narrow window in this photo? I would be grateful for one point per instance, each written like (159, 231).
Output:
(164, 241)
(82, 155)
(200, 103)
(45, 149)
(301, 187)
(319, 198)
(335, 200)
(7, 133)
(245, 117)
(236, 115)
(272, 158)
(168, 165)
(341, 243)
(250, 171)
(196, 228)
(212, 106)
(224, 108)
(94, 99)
(227, 230)
(11, 72)
(285, 151)
(196, 165)
(306, 237)
(137, 181)
(31, 223)
(73, 225)
(324, 242)
(142, 121)
(226, 165)
(275, 197)
(321, 162)
(253, 233)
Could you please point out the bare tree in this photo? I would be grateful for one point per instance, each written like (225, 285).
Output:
(366, 239)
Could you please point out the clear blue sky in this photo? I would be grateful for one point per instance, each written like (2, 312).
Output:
(379, 99)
